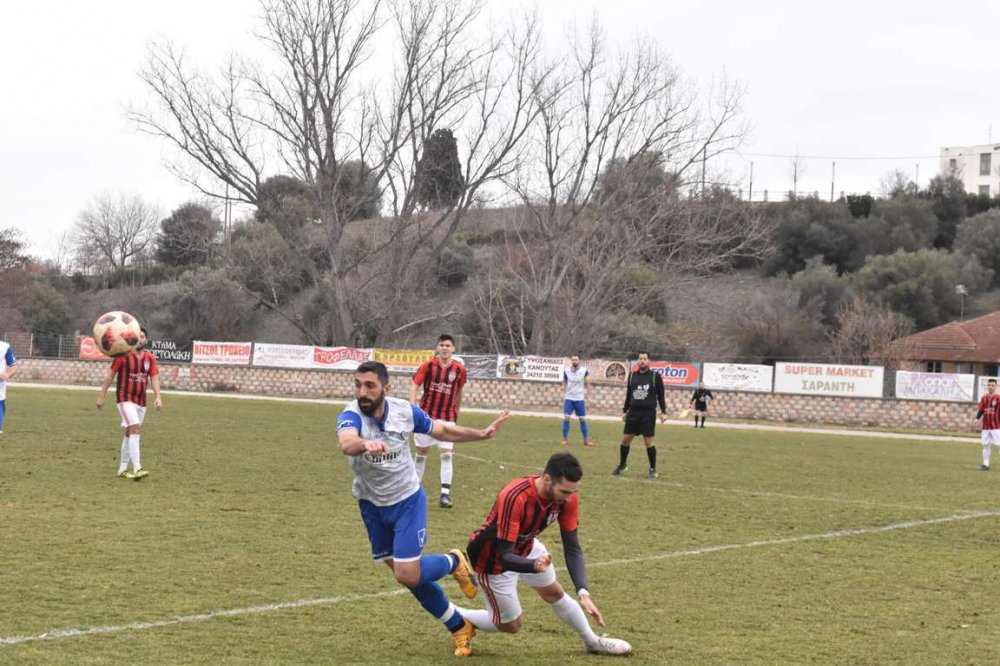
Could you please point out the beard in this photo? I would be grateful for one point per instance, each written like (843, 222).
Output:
(368, 406)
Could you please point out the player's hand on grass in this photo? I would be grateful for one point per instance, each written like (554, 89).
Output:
(591, 609)
(543, 562)
(492, 428)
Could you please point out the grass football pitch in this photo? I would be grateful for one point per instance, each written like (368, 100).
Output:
(244, 545)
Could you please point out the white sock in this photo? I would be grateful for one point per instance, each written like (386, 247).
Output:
(123, 464)
(420, 462)
(446, 470)
(569, 611)
(480, 619)
(986, 455)
(133, 448)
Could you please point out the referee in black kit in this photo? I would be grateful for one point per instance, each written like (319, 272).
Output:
(645, 389)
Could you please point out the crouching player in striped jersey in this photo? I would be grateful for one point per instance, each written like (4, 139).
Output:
(374, 432)
(505, 549)
(134, 371)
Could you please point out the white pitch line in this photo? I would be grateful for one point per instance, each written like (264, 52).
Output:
(252, 610)
(806, 537)
(739, 491)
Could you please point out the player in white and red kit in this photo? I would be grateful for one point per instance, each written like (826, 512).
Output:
(989, 416)
(442, 379)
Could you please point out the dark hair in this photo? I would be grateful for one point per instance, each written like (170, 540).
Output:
(991, 381)
(564, 466)
(376, 367)
(641, 353)
(144, 331)
(445, 336)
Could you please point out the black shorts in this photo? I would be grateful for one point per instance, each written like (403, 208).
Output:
(641, 423)
(700, 406)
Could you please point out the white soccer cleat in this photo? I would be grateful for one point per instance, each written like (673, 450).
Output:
(607, 645)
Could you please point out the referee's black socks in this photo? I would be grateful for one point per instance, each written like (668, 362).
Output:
(623, 455)
(651, 454)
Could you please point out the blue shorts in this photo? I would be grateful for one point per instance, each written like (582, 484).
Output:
(398, 531)
(578, 407)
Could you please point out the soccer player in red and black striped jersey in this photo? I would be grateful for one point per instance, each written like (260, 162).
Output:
(134, 371)
(442, 379)
(506, 549)
(989, 412)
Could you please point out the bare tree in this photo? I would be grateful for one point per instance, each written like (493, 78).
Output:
(572, 246)
(322, 108)
(865, 332)
(11, 250)
(113, 230)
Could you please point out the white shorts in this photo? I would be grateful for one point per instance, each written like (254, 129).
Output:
(991, 437)
(132, 414)
(500, 589)
(427, 441)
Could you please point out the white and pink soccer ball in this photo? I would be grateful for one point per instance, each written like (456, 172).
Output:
(116, 333)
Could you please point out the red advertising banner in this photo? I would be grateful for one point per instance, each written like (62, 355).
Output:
(222, 353)
(89, 350)
(675, 373)
(339, 358)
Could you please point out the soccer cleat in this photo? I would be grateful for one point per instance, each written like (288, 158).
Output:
(606, 645)
(462, 638)
(984, 468)
(621, 469)
(653, 474)
(140, 474)
(445, 502)
(564, 442)
(125, 474)
(587, 442)
(463, 574)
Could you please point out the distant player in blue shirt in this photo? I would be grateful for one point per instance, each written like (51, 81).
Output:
(8, 368)
(374, 433)
(576, 384)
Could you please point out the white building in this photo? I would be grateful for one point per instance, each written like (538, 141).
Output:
(978, 167)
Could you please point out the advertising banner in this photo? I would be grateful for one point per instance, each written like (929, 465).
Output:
(266, 354)
(737, 377)
(480, 366)
(531, 368)
(89, 350)
(935, 386)
(859, 381)
(339, 358)
(402, 360)
(602, 370)
(221, 353)
(981, 385)
(171, 350)
(674, 373)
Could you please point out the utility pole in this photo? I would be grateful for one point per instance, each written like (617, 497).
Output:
(750, 195)
(833, 178)
(916, 177)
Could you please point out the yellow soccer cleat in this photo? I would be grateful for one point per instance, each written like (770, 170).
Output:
(125, 474)
(462, 638)
(463, 573)
(140, 474)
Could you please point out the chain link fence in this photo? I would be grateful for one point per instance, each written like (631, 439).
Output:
(43, 345)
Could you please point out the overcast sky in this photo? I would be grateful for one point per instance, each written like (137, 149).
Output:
(875, 86)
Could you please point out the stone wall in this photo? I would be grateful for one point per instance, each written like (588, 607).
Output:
(532, 396)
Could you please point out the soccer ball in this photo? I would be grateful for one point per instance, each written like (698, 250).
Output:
(116, 333)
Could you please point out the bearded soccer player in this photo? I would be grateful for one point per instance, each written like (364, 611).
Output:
(506, 549)
(374, 432)
(442, 379)
(989, 419)
(134, 372)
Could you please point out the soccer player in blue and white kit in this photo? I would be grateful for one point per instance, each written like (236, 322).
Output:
(576, 383)
(8, 368)
(374, 433)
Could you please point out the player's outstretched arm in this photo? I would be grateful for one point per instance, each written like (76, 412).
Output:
(455, 433)
(353, 444)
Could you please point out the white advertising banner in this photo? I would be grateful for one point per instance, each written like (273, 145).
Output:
(858, 381)
(981, 385)
(282, 356)
(221, 353)
(737, 377)
(935, 386)
(531, 368)
(339, 358)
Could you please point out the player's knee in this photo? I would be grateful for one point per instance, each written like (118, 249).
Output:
(552, 593)
(407, 578)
